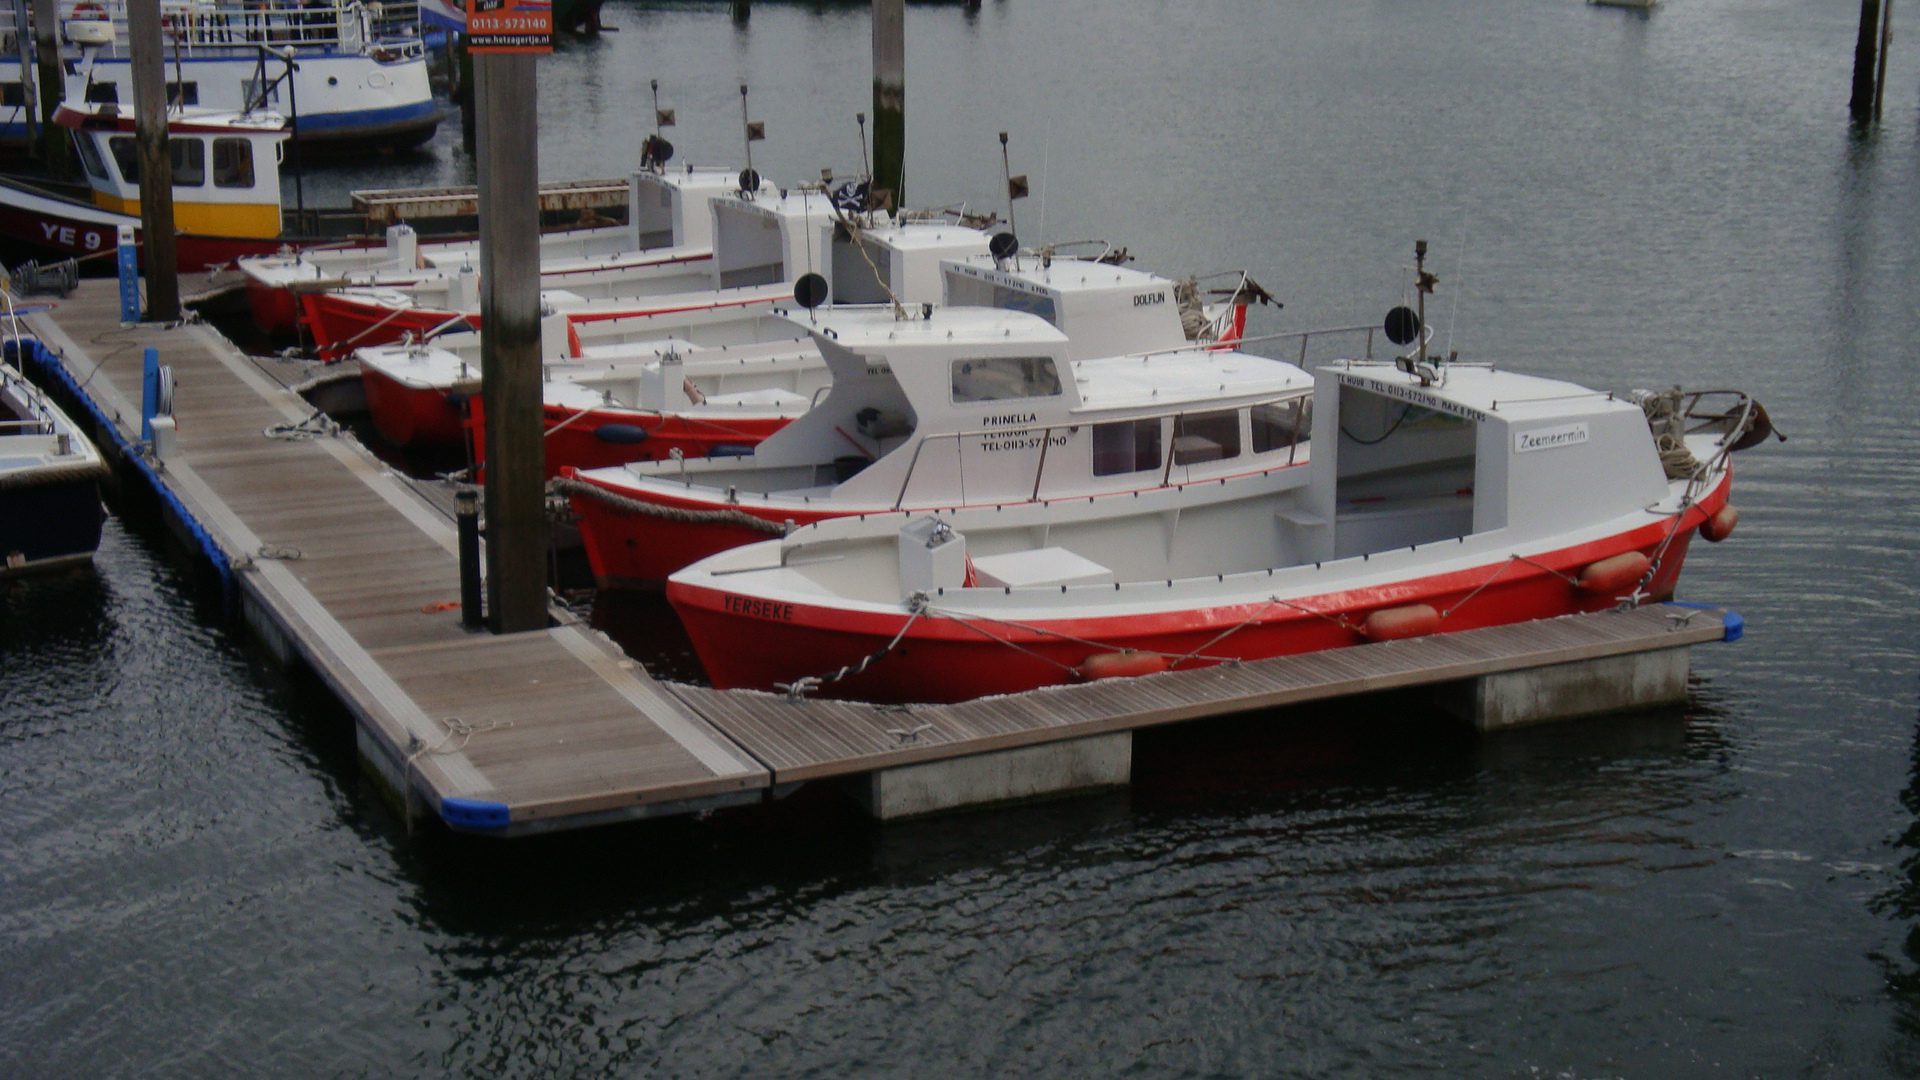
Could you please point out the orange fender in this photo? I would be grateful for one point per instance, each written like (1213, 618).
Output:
(1614, 574)
(1392, 624)
(1720, 526)
(1121, 665)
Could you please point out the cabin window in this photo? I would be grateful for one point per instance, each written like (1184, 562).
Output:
(189, 162)
(1280, 426)
(90, 157)
(232, 163)
(1201, 437)
(998, 378)
(103, 93)
(183, 93)
(1126, 446)
(12, 96)
(965, 291)
(862, 270)
(127, 156)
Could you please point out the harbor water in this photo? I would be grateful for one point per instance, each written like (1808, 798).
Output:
(196, 879)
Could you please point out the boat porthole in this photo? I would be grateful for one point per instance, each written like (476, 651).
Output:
(376, 80)
(333, 80)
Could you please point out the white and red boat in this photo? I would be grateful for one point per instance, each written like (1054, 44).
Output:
(761, 245)
(417, 393)
(226, 187)
(668, 225)
(899, 430)
(1439, 497)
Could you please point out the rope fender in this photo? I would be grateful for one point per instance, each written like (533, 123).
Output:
(568, 486)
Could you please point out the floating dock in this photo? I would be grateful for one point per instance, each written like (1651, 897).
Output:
(350, 569)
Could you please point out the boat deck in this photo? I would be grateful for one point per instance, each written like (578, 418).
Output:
(343, 564)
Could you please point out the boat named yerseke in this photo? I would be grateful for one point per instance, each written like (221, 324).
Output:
(1439, 496)
(50, 513)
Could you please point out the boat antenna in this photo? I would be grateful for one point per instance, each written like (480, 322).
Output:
(1453, 308)
(754, 131)
(866, 167)
(655, 150)
(1016, 185)
(1424, 281)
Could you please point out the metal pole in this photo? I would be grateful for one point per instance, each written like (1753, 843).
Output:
(29, 93)
(505, 92)
(1861, 104)
(156, 167)
(889, 102)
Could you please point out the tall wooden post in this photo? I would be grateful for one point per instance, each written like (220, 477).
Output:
(505, 92)
(156, 166)
(1880, 73)
(52, 83)
(890, 101)
(742, 10)
(1861, 104)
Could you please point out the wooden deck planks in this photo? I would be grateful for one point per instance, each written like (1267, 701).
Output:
(549, 723)
(816, 740)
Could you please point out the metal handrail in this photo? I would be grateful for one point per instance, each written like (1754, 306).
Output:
(191, 25)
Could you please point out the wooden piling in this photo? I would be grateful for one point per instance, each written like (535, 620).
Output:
(1860, 105)
(508, 165)
(156, 166)
(1880, 72)
(890, 101)
(742, 10)
(53, 145)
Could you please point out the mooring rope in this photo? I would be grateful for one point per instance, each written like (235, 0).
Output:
(797, 689)
(316, 426)
(568, 486)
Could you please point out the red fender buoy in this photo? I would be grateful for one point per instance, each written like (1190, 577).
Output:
(1392, 624)
(1614, 574)
(1121, 665)
(1720, 526)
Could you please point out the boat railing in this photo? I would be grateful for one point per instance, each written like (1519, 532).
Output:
(190, 27)
(1045, 439)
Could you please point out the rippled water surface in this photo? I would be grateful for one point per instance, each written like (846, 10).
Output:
(195, 880)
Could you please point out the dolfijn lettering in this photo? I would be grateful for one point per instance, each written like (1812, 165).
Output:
(1147, 299)
(755, 608)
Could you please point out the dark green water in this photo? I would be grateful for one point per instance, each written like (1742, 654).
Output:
(195, 880)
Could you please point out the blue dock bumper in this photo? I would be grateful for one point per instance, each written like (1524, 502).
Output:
(1735, 625)
(474, 814)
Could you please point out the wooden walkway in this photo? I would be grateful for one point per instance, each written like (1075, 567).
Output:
(351, 568)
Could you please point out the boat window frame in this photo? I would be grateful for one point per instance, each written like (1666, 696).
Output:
(128, 165)
(1137, 447)
(182, 146)
(90, 159)
(1212, 421)
(1042, 381)
(1298, 425)
(218, 170)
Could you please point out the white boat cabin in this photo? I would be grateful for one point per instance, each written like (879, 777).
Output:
(226, 166)
(949, 406)
(1482, 452)
(1104, 310)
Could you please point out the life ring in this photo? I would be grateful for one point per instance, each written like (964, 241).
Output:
(89, 24)
(1721, 525)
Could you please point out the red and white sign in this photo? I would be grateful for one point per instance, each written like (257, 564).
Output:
(509, 26)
